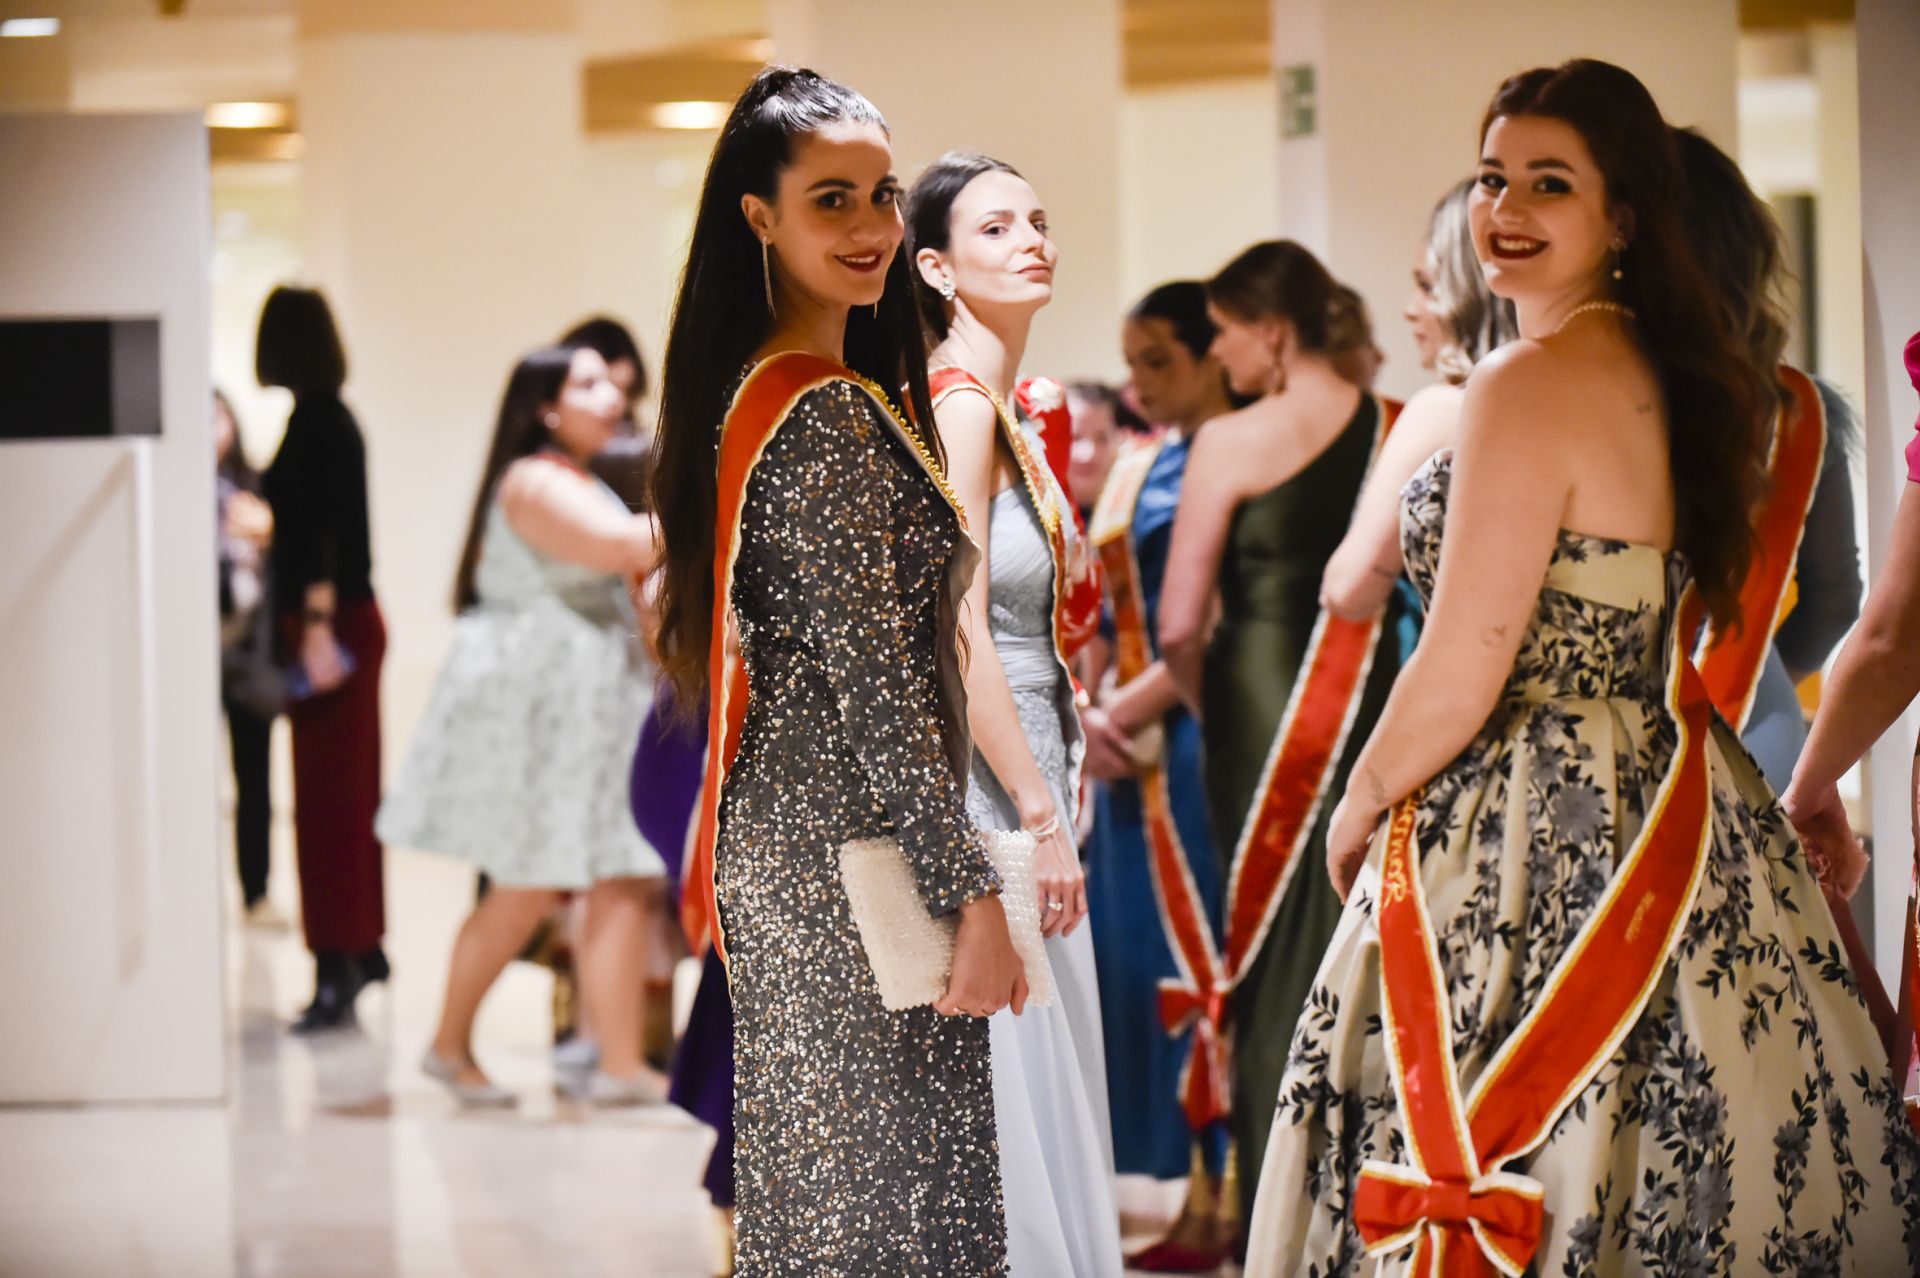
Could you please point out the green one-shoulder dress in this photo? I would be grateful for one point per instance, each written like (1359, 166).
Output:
(1277, 550)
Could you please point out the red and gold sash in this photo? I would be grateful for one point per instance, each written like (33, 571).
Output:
(1304, 755)
(1049, 500)
(1730, 662)
(1453, 1202)
(1197, 997)
(762, 404)
(1045, 401)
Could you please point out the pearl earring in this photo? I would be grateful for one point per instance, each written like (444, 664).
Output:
(947, 290)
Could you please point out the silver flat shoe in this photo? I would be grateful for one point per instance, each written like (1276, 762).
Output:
(605, 1090)
(470, 1095)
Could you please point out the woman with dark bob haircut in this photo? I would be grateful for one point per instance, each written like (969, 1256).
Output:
(828, 545)
(323, 585)
(1585, 1012)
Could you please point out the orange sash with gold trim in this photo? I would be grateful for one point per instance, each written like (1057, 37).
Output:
(1049, 500)
(1730, 662)
(1453, 1202)
(1305, 753)
(761, 405)
(1197, 997)
(1045, 401)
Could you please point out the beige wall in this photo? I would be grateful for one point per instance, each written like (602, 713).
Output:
(110, 921)
(442, 194)
(1198, 179)
(1401, 91)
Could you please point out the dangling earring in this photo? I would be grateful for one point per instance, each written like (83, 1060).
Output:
(947, 290)
(1619, 247)
(766, 273)
(876, 310)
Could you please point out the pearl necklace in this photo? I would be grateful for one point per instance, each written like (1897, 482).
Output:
(1626, 312)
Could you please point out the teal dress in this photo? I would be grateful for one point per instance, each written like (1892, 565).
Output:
(1277, 549)
(1131, 955)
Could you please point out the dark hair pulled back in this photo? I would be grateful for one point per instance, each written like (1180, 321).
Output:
(720, 319)
(930, 221)
(1278, 279)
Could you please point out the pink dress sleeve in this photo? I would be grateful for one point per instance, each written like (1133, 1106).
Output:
(1913, 445)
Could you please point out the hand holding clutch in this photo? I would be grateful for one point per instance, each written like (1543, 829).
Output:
(911, 951)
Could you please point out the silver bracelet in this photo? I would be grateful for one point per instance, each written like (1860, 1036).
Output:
(1046, 829)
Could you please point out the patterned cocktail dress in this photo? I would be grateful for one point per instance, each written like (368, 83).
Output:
(1748, 1123)
(865, 1137)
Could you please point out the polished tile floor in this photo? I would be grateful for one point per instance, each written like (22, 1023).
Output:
(333, 1157)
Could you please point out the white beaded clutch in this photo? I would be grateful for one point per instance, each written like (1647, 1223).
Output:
(911, 951)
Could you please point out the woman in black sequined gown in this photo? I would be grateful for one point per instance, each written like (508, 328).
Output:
(866, 1140)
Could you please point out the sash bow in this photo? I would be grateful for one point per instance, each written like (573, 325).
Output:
(1497, 1216)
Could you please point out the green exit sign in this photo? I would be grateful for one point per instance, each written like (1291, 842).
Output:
(1299, 107)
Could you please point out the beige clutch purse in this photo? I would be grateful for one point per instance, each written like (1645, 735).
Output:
(911, 951)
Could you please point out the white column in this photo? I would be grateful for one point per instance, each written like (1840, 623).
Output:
(444, 204)
(1034, 84)
(1399, 90)
(1889, 45)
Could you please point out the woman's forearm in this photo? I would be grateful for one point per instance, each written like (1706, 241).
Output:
(1144, 700)
(1877, 673)
(1874, 679)
(1184, 659)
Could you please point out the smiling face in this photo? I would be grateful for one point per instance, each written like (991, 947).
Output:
(586, 416)
(834, 223)
(1541, 223)
(999, 253)
(1249, 351)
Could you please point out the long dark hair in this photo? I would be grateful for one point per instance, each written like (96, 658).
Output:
(930, 220)
(1740, 248)
(1183, 305)
(518, 432)
(720, 319)
(1717, 400)
(1278, 279)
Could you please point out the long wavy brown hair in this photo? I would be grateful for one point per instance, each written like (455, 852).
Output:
(1719, 403)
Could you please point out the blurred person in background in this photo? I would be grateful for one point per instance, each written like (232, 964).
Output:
(250, 692)
(1269, 491)
(322, 589)
(1351, 347)
(1150, 808)
(1456, 321)
(1095, 407)
(520, 762)
(622, 466)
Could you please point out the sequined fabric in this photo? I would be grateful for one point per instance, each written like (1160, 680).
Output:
(865, 1137)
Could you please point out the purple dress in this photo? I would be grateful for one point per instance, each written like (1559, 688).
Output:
(667, 770)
